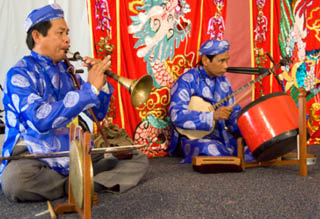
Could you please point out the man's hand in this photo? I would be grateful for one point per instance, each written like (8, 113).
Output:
(96, 71)
(222, 113)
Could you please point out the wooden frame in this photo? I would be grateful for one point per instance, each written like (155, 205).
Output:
(70, 206)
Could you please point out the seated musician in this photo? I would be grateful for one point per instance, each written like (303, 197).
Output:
(40, 99)
(207, 81)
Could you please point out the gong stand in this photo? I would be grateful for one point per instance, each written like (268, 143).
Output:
(301, 161)
(89, 198)
(81, 195)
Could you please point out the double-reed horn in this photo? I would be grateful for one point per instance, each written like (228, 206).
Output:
(139, 89)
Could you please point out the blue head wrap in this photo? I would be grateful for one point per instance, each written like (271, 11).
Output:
(46, 13)
(214, 47)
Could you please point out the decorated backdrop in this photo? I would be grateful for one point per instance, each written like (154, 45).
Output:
(161, 38)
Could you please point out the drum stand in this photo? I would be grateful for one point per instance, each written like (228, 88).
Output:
(87, 198)
(301, 161)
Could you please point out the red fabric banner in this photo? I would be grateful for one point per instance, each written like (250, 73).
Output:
(161, 38)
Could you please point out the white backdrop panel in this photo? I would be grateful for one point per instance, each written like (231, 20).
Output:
(12, 35)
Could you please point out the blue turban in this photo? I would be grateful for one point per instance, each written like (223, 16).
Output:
(46, 13)
(214, 47)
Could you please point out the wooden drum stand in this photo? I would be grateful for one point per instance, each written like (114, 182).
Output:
(209, 164)
(301, 161)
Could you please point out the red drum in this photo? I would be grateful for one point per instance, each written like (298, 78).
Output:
(269, 126)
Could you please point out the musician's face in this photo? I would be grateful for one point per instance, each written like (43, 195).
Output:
(217, 66)
(55, 43)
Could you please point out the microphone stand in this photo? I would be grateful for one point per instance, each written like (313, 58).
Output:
(259, 71)
(286, 60)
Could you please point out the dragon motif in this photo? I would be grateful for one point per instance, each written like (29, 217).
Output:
(160, 27)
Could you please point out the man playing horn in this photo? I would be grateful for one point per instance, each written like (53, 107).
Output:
(39, 101)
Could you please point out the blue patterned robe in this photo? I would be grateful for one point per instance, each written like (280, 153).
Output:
(196, 82)
(40, 99)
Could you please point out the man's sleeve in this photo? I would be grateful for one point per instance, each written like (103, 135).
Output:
(178, 111)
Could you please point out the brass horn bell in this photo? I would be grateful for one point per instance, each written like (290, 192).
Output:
(139, 89)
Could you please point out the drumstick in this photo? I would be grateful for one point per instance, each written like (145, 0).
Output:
(242, 97)
(51, 211)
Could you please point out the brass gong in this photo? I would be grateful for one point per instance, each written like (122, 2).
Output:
(76, 173)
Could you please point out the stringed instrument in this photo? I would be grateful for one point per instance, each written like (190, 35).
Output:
(198, 104)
